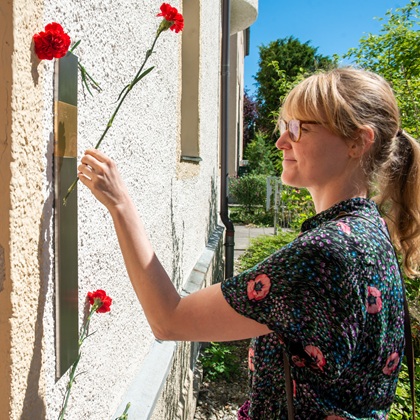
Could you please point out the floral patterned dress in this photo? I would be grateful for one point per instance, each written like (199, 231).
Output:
(334, 301)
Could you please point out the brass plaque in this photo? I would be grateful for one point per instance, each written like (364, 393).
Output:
(65, 142)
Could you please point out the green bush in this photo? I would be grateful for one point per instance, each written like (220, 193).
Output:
(219, 361)
(249, 193)
(296, 206)
(401, 409)
(257, 216)
(262, 247)
(259, 153)
(248, 190)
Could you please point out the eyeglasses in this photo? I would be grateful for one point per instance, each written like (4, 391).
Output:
(294, 128)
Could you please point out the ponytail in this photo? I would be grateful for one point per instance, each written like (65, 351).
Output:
(399, 199)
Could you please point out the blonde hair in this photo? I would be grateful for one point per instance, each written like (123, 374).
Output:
(345, 100)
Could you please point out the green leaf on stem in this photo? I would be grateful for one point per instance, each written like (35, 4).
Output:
(145, 73)
(75, 45)
(124, 415)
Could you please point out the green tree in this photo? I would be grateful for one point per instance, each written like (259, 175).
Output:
(394, 53)
(259, 156)
(281, 63)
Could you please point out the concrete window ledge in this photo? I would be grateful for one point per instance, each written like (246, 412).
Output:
(150, 393)
(243, 14)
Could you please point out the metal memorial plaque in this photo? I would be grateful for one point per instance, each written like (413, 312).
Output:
(65, 170)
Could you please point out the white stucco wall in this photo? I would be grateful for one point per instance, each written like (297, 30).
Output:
(178, 201)
(144, 141)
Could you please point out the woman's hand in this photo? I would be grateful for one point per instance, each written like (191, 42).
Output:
(100, 174)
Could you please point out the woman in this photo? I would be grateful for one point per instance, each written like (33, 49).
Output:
(332, 299)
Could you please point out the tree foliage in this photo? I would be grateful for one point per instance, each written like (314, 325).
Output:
(250, 115)
(394, 53)
(258, 153)
(281, 63)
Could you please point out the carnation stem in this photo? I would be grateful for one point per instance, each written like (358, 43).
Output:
(72, 375)
(140, 74)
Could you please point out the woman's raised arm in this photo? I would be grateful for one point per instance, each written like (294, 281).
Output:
(201, 316)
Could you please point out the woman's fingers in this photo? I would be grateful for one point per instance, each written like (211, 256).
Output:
(100, 174)
(98, 155)
(84, 171)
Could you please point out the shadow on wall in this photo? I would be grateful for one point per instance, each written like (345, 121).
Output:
(213, 201)
(178, 241)
(177, 247)
(34, 404)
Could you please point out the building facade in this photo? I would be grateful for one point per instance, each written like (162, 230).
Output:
(166, 143)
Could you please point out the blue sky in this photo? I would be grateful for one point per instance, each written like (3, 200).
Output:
(333, 26)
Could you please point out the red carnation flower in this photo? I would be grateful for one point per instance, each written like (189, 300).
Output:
(171, 15)
(51, 43)
(100, 299)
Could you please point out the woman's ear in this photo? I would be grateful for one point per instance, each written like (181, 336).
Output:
(362, 143)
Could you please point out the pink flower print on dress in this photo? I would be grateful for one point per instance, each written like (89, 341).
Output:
(374, 301)
(344, 227)
(317, 358)
(251, 354)
(298, 361)
(258, 289)
(391, 363)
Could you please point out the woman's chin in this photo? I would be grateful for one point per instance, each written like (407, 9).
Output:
(289, 181)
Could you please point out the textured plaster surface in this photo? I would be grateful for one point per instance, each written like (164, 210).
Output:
(179, 213)
(6, 51)
(23, 287)
(142, 141)
(178, 201)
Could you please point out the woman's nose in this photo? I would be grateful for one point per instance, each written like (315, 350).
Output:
(283, 142)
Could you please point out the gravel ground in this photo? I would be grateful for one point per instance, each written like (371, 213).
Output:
(220, 399)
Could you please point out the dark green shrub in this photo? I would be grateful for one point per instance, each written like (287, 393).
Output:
(401, 409)
(248, 190)
(257, 216)
(219, 361)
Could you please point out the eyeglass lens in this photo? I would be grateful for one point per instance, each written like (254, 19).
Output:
(293, 126)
